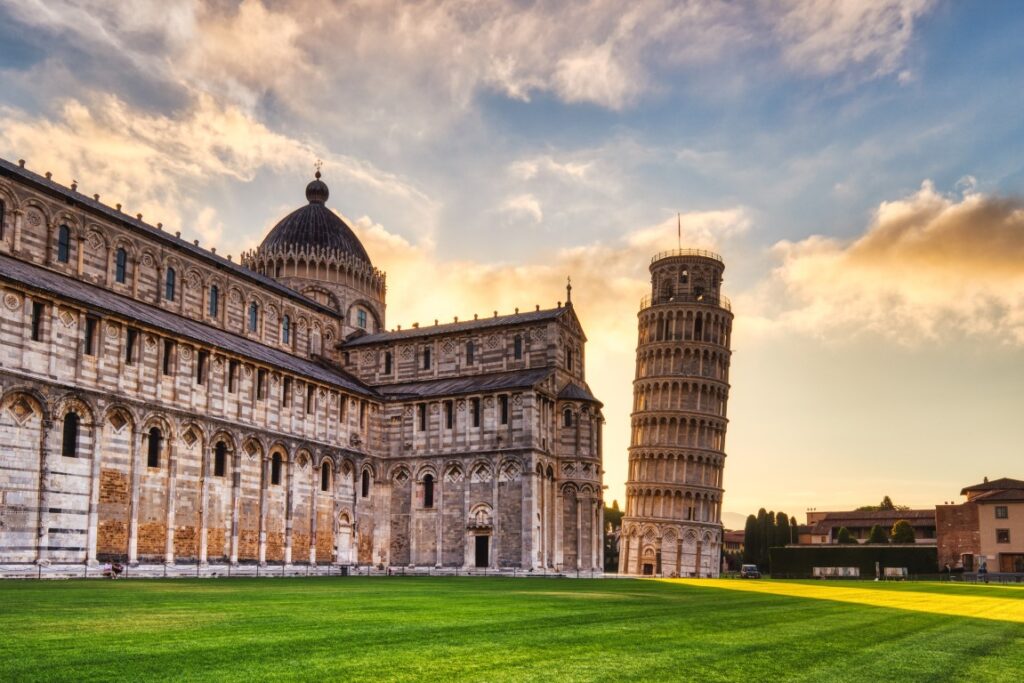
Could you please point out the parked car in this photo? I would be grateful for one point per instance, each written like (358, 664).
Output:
(749, 571)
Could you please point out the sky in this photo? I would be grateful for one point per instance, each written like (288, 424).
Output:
(858, 164)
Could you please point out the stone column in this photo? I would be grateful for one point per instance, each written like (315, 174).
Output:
(19, 218)
(679, 555)
(264, 482)
(133, 519)
(579, 533)
(313, 502)
(526, 552)
(205, 465)
(623, 551)
(289, 506)
(559, 530)
(94, 496)
(496, 521)
(43, 519)
(172, 481)
(439, 516)
(236, 484)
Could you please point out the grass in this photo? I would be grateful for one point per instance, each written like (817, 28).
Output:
(508, 629)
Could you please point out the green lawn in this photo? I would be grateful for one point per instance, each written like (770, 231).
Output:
(506, 629)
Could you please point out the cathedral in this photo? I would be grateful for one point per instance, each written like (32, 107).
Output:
(164, 404)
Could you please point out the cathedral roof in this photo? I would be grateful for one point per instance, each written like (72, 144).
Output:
(152, 232)
(99, 299)
(463, 326)
(314, 226)
(574, 392)
(495, 381)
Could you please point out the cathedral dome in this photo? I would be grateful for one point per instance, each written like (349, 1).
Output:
(314, 226)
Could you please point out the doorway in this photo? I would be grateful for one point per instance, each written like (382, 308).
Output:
(648, 569)
(483, 546)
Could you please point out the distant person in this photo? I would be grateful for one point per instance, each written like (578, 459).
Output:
(983, 572)
(116, 569)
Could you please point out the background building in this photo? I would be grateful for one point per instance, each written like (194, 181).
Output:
(988, 527)
(672, 524)
(162, 403)
(824, 526)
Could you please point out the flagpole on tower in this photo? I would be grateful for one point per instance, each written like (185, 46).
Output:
(679, 231)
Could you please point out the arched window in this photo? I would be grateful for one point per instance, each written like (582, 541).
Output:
(69, 447)
(254, 316)
(517, 347)
(426, 358)
(684, 276)
(169, 284)
(121, 265)
(366, 484)
(428, 491)
(470, 352)
(220, 458)
(325, 476)
(275, 470)
(214, 300)
(361, 318)
(387, 362)
(567, 418)
(153, 447)
(64, 244)
(286, 330)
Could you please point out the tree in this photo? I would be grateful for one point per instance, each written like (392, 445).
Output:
(750, 540)
(612, 527)
(878, 535)
(782, 532)
(886, 504)
(843, 536)
(764, 528)
(902, 532)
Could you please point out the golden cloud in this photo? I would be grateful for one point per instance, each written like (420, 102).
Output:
(927, 266)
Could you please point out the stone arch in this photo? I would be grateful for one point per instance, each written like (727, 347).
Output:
(74, 403)
(371, 309)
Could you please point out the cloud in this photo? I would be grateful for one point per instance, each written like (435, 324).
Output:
(525, 204)
(829, 36)
(414, 66)
(157, 164)
(927, 267)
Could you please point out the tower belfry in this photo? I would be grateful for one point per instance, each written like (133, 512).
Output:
(672, 525)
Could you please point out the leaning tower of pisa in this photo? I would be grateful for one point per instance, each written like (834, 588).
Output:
(673, 525)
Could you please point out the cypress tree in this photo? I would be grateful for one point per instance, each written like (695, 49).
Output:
(843, 536)
(750, 541)
(767, 530)
(878, 535)
(781, 529)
